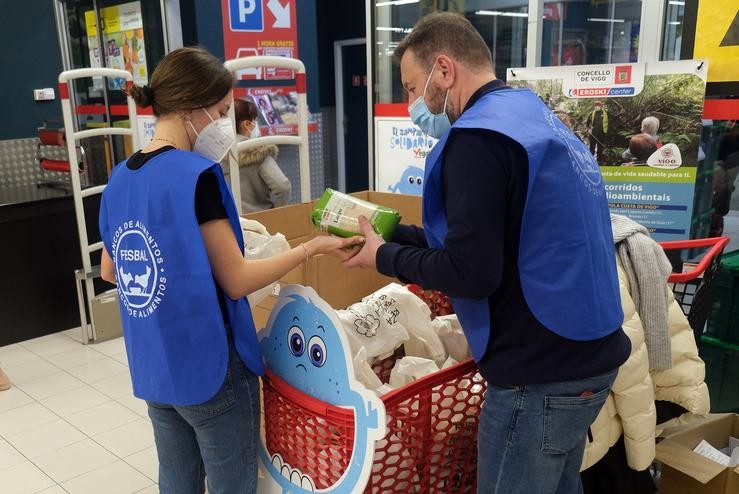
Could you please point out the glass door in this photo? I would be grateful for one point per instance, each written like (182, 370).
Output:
(119, 34)
(577, 32)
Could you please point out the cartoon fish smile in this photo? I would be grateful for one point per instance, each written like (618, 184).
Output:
(303, 346)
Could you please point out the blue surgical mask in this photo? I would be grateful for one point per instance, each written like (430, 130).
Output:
(430, 123)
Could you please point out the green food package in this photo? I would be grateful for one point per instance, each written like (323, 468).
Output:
(339, 213)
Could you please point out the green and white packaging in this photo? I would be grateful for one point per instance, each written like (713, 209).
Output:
(339, 213)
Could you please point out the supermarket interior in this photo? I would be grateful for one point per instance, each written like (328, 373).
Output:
(381, 246)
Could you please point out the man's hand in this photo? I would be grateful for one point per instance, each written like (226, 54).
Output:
(372, 241)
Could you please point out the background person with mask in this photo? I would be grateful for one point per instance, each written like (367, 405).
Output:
(263, 184)
(173, 244)
(516, 229)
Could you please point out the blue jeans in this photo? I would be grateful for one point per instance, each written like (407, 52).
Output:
(217, 438)
(531, 438)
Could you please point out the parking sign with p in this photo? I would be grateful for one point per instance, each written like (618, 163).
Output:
(246, 15)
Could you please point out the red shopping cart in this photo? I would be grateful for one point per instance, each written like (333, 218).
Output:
(693, 288)
(431, 440)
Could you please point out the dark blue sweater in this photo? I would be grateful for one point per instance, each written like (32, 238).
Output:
(484, 181)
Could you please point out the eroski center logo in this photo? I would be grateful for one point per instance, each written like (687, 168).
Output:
(139, 266)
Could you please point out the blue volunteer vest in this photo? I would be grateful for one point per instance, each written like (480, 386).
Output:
(566, 258)
(172, 322)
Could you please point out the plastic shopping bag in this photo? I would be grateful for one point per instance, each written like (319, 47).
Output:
(451, 334)
(364, 373)
(408, 369)
(414, 315)
(259, 244)
(371, 328)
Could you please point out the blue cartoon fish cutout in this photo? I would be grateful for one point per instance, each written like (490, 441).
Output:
(411, 182)
(303, 345)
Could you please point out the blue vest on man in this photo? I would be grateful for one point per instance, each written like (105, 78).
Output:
(566, 259)
(172, 322)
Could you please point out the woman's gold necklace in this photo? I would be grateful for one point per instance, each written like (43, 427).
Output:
(164, 140)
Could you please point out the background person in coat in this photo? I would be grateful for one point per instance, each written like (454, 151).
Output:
(263, 184)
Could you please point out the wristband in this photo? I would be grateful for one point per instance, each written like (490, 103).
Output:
(306, 252)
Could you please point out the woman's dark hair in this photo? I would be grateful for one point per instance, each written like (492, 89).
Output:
(244, 110)
(184, 80)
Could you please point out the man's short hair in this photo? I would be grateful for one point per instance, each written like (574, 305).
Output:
(446, 33)
(650, 125)
(642, 146)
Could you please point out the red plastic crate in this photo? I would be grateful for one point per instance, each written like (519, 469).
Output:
(440, 304)
(431, 440)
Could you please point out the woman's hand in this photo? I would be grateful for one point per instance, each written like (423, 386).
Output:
(341, 248)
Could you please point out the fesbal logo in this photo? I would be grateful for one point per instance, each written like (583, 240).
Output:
(139, 265)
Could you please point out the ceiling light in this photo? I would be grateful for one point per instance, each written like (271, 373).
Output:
(501, 13)
(396, 2)
(394, 29)
(598, 19)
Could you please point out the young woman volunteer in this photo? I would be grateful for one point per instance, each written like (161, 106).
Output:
(172, 243)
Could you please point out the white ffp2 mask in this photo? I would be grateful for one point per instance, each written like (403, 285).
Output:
(215, 139)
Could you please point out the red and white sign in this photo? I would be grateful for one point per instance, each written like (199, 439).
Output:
(265, 28)
(260, 28)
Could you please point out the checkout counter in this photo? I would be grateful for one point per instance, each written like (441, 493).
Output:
(39, 252)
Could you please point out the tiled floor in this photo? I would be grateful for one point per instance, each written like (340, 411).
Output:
(70, 423)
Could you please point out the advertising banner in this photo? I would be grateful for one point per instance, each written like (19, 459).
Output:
(400, 150)
(264, 28)
(642, 123)
(260, 28)
(277, 109)
(122, 27)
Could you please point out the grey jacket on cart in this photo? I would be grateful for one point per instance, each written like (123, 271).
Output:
(263, 184)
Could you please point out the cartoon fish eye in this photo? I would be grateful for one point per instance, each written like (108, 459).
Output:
(411, 180)
(317, 351)
(296, 341)
(419, 180)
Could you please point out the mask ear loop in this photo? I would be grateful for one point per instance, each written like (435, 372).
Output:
(189, 122)
(446, 97)
(428, 79)
(206, 112)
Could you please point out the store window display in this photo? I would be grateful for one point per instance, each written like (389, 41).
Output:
(595, 32)
(502, 24)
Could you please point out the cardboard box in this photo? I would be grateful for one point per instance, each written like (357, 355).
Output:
(338, 286)
(687, 472)
(107, 316)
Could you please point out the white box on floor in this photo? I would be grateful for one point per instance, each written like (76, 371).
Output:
(107, 316)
